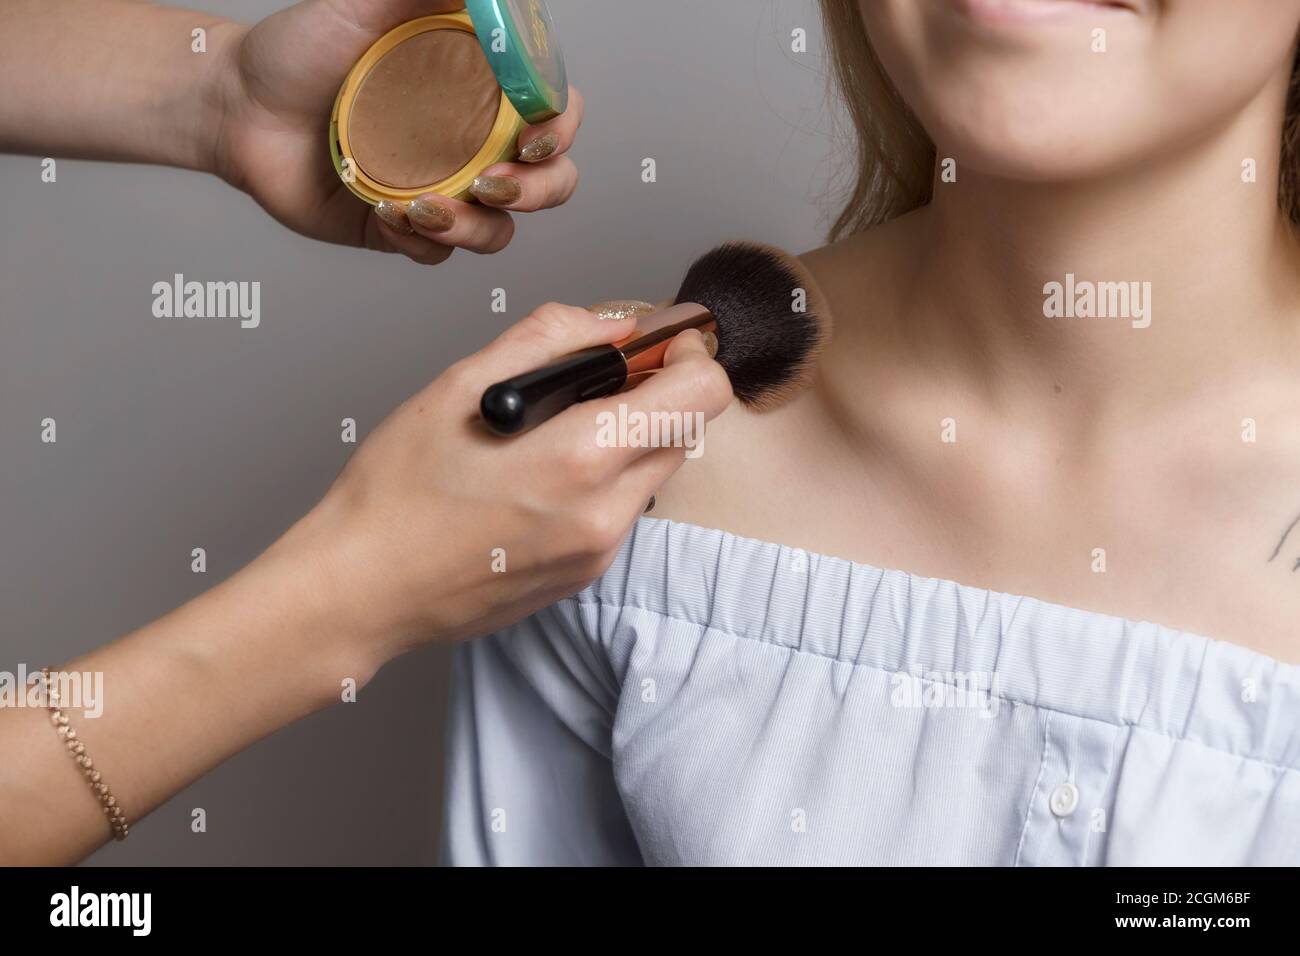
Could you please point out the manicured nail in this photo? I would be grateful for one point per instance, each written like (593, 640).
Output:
(711, 344)
(431, 216)
(498, 190)
(650, 505)
(621, 308)
(394, 216)
(540, 148)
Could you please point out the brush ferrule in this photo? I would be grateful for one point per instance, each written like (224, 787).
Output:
(644, 349)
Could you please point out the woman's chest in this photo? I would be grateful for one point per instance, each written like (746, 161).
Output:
(1144, 538)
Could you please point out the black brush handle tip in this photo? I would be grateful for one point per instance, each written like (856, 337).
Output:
(524, 401)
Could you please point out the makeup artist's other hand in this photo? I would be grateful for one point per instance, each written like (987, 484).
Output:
(278, 81)
(438, 530)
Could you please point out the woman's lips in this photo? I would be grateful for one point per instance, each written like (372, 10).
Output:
(1037, 11)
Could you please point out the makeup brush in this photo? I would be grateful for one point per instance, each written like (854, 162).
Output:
(760, 302)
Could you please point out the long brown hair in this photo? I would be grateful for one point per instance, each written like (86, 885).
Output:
(894, 165)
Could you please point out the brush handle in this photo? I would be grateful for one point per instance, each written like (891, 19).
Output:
(529, 399)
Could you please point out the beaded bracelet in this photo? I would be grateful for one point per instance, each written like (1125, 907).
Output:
(116, 818)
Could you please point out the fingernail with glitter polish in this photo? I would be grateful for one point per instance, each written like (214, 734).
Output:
(430, 215)
(621, 309)
(711, 344)
(540, 148)
(498, 190)
(394, 216)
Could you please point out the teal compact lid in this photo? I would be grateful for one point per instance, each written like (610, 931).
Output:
(524, 53)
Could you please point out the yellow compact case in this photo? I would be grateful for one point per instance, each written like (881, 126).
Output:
(514, 49)
(498, 147)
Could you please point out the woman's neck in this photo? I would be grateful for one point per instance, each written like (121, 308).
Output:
(1133, 289)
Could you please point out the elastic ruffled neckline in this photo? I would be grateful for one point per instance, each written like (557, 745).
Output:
(1092, 665)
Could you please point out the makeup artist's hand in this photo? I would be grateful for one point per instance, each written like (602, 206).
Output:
(435, 530)
(122, 80)
(277, 82)
(438, 530)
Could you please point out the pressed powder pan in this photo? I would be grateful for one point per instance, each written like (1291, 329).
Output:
(438, 100)
(424, 111)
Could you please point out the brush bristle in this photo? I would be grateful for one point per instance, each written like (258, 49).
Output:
(767, 345)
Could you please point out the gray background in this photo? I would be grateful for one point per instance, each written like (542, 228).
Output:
(175, 434)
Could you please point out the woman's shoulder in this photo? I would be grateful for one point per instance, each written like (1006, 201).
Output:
(858, 268)
(720, 483)
(751, 462)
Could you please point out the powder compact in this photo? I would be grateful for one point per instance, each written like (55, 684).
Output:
(438, 100)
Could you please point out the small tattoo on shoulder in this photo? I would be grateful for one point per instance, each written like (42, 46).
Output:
(1286, 534)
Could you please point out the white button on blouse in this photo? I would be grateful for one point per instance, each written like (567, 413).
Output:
(1065, 797)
